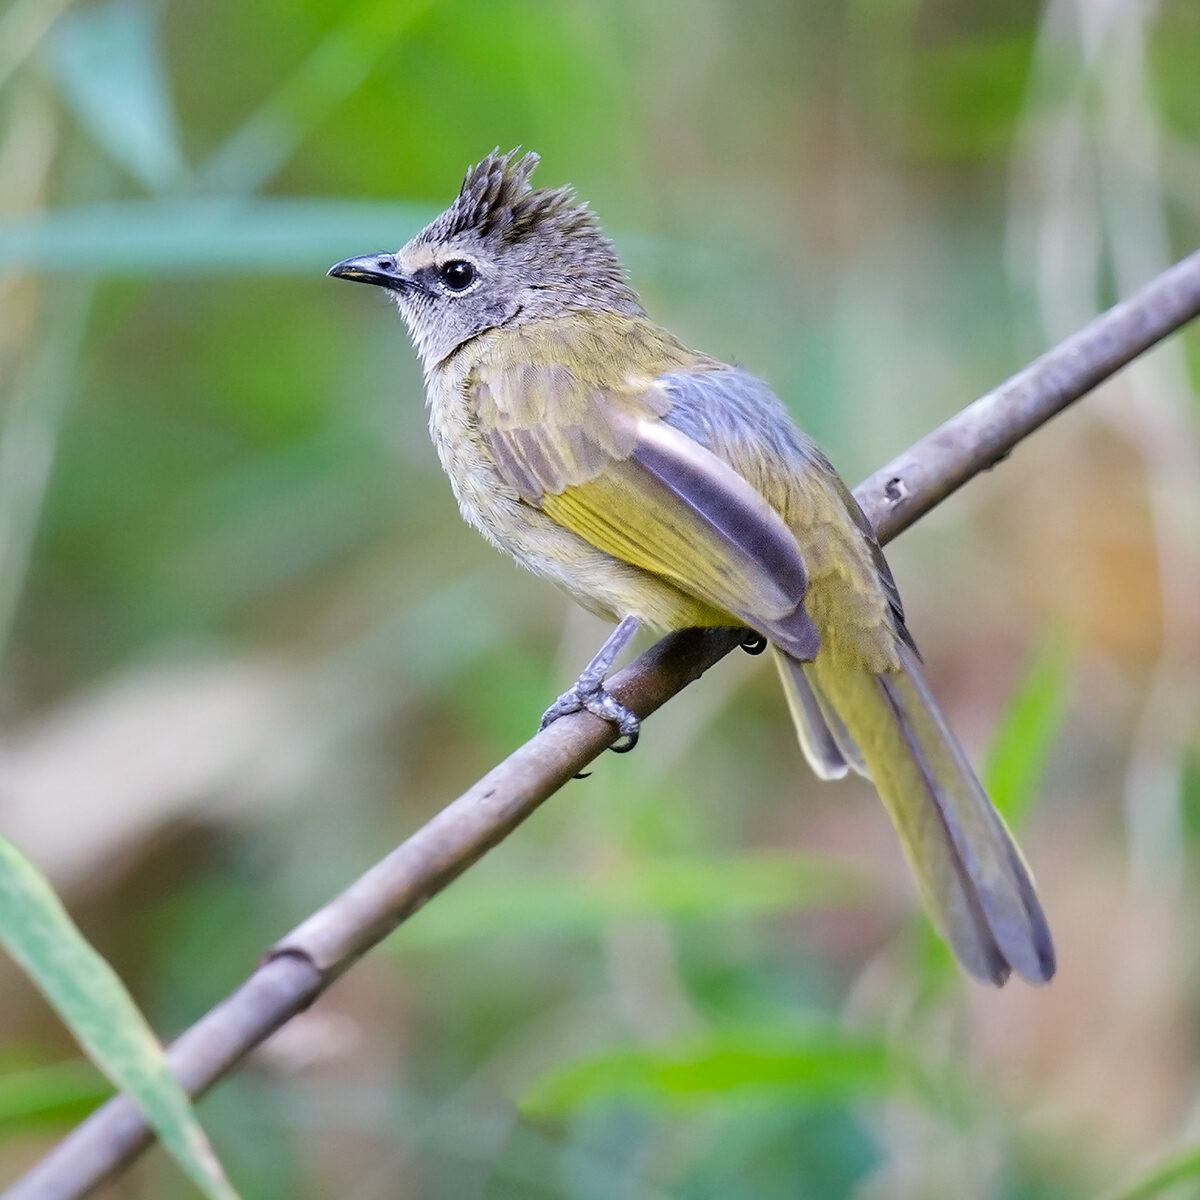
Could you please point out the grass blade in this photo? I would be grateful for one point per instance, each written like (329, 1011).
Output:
(86, 993)
(333, 72)
(106, 61)
(1028, 727)
(188, 236)
(1179, 1168)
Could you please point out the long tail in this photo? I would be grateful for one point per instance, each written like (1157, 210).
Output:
(972, 877)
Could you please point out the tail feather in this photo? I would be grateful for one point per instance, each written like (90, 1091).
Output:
(817, 739)
(995, 863)
(824, 738)
(971, 875)
(850, 749)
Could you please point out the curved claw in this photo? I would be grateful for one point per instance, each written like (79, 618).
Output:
(625, 742)
(753, 642)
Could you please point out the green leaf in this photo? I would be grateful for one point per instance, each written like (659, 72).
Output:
(1025, 736)
(820, 1063)
(106, 61)
(276, 237)
(696, 889)
(86, 993)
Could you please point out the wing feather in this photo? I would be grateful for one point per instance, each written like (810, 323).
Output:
(602, 463)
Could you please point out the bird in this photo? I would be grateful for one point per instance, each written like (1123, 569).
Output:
(662, 488)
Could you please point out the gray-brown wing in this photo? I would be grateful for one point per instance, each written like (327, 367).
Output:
(602, 463)
(733, 405)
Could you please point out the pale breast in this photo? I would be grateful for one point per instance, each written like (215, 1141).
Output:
(485, 500)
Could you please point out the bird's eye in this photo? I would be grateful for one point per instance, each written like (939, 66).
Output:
(457, 274)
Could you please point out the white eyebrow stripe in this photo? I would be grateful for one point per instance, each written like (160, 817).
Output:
(418, 257)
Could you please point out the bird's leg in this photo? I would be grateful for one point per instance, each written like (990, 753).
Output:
(588, 690)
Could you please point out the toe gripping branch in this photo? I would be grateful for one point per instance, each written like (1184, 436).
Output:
(588, 691)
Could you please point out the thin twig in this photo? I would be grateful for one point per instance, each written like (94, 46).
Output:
(304, 963)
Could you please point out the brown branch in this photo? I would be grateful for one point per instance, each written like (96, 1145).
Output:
(305, 962)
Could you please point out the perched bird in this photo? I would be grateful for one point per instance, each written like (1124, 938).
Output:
(661, 487)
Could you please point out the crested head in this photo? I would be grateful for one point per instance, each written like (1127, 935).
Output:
(496, 200)
(503, 253)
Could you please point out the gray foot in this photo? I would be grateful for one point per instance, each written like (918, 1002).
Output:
(589, 693)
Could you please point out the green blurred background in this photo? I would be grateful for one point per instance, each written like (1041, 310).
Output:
(248, 645)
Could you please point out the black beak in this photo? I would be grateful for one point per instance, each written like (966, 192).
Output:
(379, 269)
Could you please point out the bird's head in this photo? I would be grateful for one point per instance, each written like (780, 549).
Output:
(502, 253)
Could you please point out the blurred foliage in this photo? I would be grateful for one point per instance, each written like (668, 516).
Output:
(50, 1096)
(248, 645)
(733, 1066)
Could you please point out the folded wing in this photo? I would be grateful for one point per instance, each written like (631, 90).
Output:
(601, 462)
